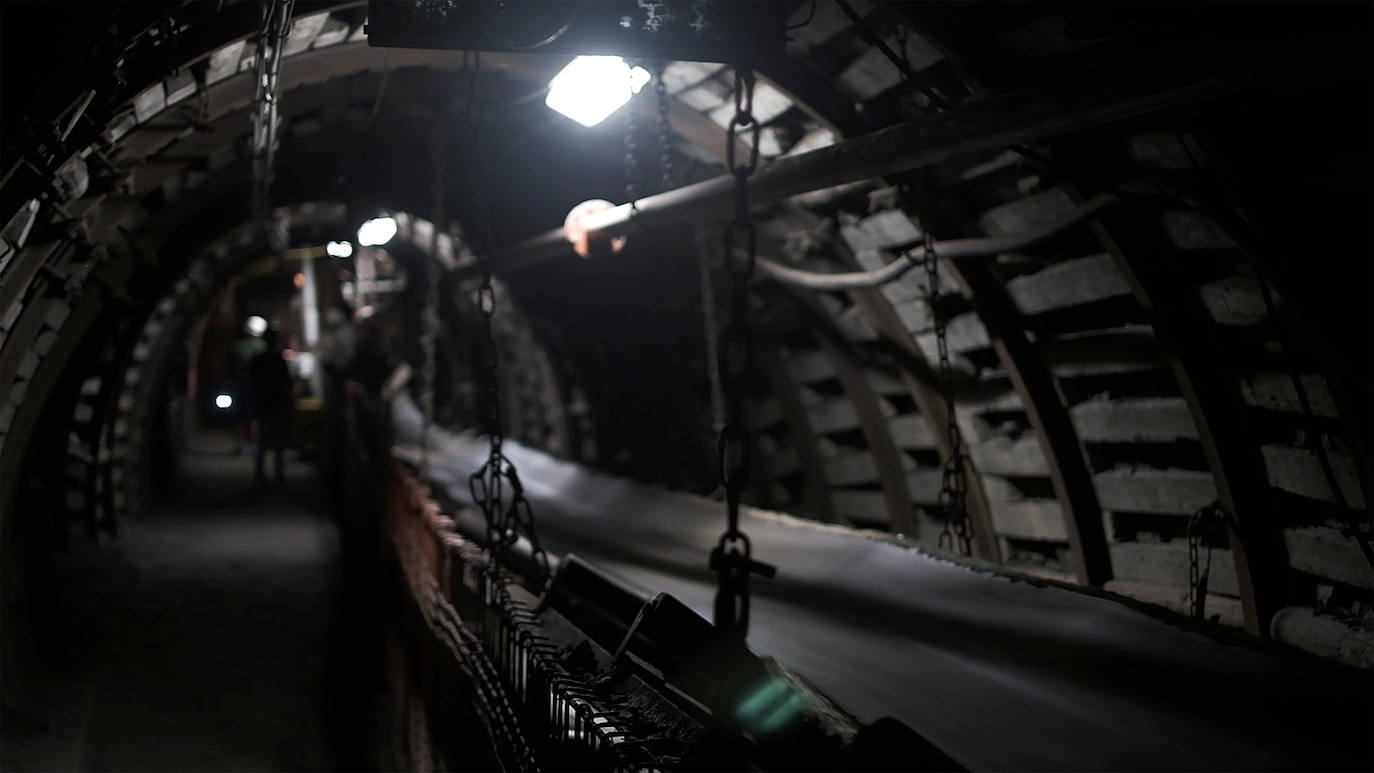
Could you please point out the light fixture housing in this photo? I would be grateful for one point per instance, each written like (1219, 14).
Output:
(339, 249)
(377, 231)
(590, 88)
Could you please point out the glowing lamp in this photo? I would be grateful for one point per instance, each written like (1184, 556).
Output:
(339, 249)
(592, 87)
(224, 402)
(377, 231)
(255, 326)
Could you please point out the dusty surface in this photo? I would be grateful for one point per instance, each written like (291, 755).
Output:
(198, 639)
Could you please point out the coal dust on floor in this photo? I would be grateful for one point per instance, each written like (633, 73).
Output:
(205, 636)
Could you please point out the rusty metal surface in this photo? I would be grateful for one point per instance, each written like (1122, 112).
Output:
(1001, 674)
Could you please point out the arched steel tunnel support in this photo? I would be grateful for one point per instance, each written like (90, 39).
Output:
(1181, 322)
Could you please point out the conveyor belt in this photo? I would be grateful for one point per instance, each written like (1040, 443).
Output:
(1002, 674)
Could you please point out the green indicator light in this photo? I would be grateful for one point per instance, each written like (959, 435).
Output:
(761, 701)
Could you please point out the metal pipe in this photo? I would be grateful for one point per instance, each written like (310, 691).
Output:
(949, 250)
(1018, 118)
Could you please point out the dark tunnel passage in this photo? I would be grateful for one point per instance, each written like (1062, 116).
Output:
(825, 385)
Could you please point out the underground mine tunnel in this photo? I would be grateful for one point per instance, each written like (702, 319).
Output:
(677, 384)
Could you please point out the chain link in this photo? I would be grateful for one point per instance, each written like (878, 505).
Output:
(732, 557)
(665, 129)
(953, 498)
(495, 486)
(1201, 528)
(631, 149)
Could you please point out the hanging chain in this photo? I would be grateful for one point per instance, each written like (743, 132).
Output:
(429, 316)
(276, 25)
(665, 130)
(953, 499)
(732, 557)
(631, 150)
(1201, 528)
(495, 486)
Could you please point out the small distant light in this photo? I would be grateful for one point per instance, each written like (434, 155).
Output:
(377, 231)
(339, 249)
(590, 88)
(299, 280)
(224, 402)
(255, 326)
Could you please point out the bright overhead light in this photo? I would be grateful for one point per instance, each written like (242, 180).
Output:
(255, 326)
(377, 231)
(592, 87)
(339, 249)
(224, 402)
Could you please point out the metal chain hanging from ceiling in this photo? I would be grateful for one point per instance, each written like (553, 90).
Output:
(631, 148)
(953, 497)
(495, 486)
(665, 130)
(732, 558)
(276, 26)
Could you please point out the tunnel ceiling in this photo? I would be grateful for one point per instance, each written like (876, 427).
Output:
(1206, 339)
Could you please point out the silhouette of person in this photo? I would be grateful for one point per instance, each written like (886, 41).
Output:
(269, 385)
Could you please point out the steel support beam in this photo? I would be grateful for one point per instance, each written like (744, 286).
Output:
(1150, 263)
(1035, 386)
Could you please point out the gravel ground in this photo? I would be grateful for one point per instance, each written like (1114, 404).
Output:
(200, 638)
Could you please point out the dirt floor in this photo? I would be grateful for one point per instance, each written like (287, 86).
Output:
(199, 639)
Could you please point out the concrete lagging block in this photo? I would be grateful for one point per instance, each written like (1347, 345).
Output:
(1138, 420)
(1020, 457)
(1297, 469)
(1029, 213)
(1191, 230)
(833, 416)
(1234, 301)
(911, 431)
(1069, 283)
(1147, 490)
(1029, 519)
(1166, 563)
(1275, 392)
(1326, 552)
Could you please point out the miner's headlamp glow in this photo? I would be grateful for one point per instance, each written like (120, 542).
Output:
(592, 87)
(377, 231)
(224, 402)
